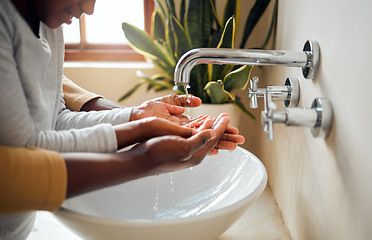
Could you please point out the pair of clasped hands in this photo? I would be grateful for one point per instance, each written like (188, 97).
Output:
(170, 141)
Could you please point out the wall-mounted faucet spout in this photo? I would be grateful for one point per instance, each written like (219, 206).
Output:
(308, 60)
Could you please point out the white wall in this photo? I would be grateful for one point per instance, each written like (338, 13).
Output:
(324, 187)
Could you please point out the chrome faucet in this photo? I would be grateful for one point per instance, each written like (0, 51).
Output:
(308, 60)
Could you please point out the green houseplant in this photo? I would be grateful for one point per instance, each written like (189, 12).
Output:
(196, 25)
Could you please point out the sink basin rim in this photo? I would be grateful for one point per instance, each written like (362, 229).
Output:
(63, 211)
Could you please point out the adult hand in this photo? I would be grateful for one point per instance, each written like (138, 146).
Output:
(172, 153)
(170, 107)
(229, 139)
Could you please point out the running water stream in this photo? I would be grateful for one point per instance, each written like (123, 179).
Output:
(156, 204)
(188, 101)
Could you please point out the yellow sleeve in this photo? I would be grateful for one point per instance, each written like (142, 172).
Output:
(31, 179)
(75, 96)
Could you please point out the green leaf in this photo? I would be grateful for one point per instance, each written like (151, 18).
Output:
(243, 108)
(157, 80)
(216, 37)
(182, 12)
(142, 43)
(169, 36)
(159, 6)
(228, 35)
(255, 14)
(198, 22)
(170, 7)
(131, 91)
(226, 41)
(216, 19)
(237, 79)
(162, 66)
(157, 28)
(182, 40)
(216, 92)
(207, 24)
(232, 9)
(272, 29)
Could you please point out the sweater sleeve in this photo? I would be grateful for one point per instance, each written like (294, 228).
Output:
(30, 96)
(75, 96)
(31, 179)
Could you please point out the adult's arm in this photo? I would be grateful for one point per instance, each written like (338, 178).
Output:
(31, 179)
(75, 97)
(79, 99)
(36, 179)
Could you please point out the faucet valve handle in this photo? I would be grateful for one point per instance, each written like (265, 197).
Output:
(319, 117)
(289, 93)
(267, 116)
(252, 91)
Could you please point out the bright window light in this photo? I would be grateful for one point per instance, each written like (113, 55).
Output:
(104, 26)
(71, 32)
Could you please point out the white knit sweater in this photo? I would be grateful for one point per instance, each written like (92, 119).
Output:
(32, 110)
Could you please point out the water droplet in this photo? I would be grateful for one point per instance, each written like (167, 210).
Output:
(156, 204)
(188, 101)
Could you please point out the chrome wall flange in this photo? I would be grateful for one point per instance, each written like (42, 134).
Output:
(293, 97)
(312, 49)
(323, 126)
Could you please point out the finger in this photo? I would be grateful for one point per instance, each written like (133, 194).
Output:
(216, 120)
(207, 124)
(199, 141)
(235, 138)
(159, 127)
(214, 151)
(225, 145)
(196, 122)
(221, 123)
(219, 128)
(188, 100)
(193, 101)
(174, 110)
(199, 118)
(183, 119)
(181, 100)
(232, 130)
(193, 125)
(175, 119)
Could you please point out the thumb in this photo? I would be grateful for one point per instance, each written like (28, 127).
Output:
(193, 101)
(174, 109)
(200, 139)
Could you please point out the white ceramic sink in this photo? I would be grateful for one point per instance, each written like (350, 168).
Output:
(198, 203)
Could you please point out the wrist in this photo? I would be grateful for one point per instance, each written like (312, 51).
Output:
(133, 114)
(128, 133)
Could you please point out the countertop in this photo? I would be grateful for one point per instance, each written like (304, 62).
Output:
(261, 221)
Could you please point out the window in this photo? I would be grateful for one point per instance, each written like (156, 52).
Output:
(99, 37)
